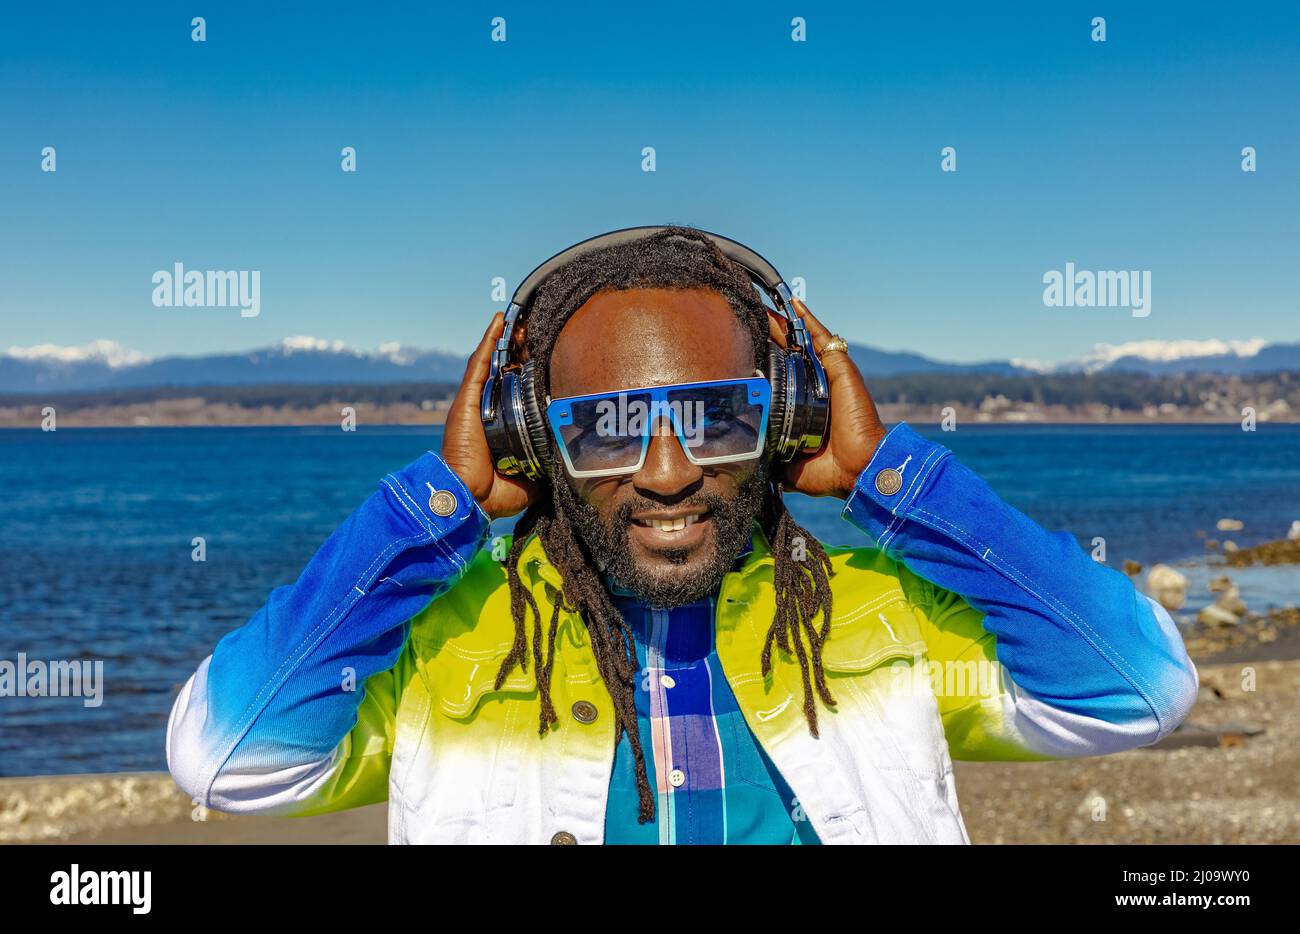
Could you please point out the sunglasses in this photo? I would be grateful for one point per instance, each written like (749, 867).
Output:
(607, 434)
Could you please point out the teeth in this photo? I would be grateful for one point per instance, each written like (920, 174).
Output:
(670, 525)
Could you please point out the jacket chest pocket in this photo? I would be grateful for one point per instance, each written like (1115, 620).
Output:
(876, 657)
(462, 682)
(465, 769)
(872, 637)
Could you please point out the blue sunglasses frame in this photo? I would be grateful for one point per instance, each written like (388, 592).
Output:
(758, 391)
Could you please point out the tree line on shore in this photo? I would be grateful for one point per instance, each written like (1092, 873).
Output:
(1119, 391)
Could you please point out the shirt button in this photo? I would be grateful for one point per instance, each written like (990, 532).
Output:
(889, 481)
(667, 681)
(677, 778)
(442, 503)
(584, 711)
(563, 838)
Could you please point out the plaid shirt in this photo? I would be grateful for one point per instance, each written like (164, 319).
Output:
(713, 781)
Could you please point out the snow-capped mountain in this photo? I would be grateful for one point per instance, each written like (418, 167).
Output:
(1155, 357)
(105, 364)
(109, 353)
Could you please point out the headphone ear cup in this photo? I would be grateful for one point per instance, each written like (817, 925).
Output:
(798, 422)
(777, 377)
(537, 434)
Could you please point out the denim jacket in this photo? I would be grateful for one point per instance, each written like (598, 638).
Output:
(966, 631)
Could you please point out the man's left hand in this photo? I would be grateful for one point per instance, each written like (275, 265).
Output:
(855, 427)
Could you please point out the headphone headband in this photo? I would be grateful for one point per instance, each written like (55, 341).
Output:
(760, 269)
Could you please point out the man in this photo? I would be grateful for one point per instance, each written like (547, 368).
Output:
(702, 669)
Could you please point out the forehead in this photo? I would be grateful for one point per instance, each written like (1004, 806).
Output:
(649, 337)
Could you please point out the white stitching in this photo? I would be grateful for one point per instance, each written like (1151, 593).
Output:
(403, 498)
(1130, 674)
(245, 721)
(896, 524)
(401, 491)
(249, 715)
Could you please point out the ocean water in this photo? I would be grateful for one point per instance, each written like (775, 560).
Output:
(96, 528)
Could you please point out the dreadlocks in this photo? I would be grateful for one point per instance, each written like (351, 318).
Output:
(676, 257)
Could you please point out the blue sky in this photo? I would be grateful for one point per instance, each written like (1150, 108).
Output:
(479, 159)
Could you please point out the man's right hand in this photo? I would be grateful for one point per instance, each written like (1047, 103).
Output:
(465, 447)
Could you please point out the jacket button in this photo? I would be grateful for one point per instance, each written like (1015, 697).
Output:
(563, 838)
(442, 503)
(584, 711)
(889, 481)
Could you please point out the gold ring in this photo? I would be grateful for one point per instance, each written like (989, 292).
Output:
(835, 343)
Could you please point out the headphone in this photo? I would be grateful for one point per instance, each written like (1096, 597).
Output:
(514, 418)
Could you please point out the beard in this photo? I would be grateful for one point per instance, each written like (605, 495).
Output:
(732, 519)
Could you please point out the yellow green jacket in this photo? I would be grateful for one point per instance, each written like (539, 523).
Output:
(963, 631)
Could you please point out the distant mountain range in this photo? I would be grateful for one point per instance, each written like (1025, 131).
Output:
(108, 365)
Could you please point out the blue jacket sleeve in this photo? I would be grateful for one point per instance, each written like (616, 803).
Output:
(261, 725)
(1095, 666)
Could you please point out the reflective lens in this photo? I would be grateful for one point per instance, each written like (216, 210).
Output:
(589, 429)
(606, 434)
(719, 422)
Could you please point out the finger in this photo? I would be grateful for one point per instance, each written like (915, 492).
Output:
(776, 328)
(819, 333)
(477, 369)
(480, 362)
(840, 369)
(839, 366)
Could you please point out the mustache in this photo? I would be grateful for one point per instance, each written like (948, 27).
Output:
(710, 501)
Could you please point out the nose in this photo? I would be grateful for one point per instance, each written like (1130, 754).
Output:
(667, 472)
